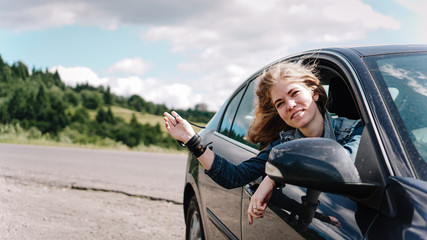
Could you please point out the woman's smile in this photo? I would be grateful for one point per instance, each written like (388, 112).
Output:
(297, 113)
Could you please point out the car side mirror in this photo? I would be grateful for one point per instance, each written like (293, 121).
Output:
(317, 163)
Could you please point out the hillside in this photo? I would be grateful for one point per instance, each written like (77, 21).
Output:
(37, 107)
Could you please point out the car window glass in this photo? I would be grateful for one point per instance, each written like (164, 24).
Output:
(406, 74)
(230, 113)
(244, 117)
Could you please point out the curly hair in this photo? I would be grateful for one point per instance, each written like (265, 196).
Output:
(267, 123)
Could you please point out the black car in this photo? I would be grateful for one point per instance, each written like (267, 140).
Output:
(385, 87)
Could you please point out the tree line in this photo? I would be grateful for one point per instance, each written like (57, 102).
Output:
(40, 101)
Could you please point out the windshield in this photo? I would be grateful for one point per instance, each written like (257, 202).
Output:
(405, 76)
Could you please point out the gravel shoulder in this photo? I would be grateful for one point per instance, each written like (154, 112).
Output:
(34, 210)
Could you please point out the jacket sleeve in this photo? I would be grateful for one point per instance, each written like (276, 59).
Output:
(353, 141)
(230, 176)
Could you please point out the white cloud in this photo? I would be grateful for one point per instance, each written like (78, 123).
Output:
(175, 95)
(223, 41)
(108, 14)
(72, 76)
(418, 7)
(131, 66)
(246, 37)
(349, 11)
(46, 14)
(244, 28)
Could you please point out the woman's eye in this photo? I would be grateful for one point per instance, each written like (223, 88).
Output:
(294, 93)
(278, 105)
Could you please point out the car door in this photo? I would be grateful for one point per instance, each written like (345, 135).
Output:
(336, 217)
(223, 206)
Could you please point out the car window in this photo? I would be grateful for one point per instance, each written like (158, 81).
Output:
(228, 118)
(244, 117)
(405, 78)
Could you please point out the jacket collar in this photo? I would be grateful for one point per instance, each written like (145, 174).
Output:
(328, 131)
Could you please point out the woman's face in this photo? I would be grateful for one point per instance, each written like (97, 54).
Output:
(296, 104)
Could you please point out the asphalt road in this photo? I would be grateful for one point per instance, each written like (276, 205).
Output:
(74, 193)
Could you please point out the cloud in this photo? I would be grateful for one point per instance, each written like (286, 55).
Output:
(72, 76)
(204, 21)
(223, 42)
(173, 95)
(247, 37)
(41, 14)
(38, 15)
(131, 66)
(418, 7)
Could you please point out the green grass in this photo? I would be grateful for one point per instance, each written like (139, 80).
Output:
(126, 114)
(142, 118)
(17, 135)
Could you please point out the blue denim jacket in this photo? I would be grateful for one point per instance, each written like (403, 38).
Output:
(345, 131)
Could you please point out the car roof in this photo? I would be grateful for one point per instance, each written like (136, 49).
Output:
(365, 51)
(359, 51)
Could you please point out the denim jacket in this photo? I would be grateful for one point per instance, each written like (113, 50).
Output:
(345, 131)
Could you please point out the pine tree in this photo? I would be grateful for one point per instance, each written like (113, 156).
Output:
(108, 97)
(20, 70)
(101, 115)
(17, 105)
(42, 105)
(109, 116)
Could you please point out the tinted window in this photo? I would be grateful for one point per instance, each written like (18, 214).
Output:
(230, 113)
(244, 117)
(405, 78)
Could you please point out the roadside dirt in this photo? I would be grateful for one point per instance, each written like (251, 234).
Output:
(33, 210)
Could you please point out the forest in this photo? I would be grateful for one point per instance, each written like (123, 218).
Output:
(38, 103)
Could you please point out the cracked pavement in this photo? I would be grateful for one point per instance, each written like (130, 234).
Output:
(90, 194)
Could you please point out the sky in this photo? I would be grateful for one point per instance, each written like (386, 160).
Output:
(185, 52)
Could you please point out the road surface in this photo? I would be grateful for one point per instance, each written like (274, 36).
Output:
(74, 193)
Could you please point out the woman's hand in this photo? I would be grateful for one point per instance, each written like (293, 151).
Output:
(260, 199)
(178, 127)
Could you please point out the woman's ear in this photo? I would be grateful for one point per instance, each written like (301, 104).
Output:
(315, 96)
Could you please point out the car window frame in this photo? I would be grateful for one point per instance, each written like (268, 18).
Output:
(242, 90)
(243, 87)
(250, 88)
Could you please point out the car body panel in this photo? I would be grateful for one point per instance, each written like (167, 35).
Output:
(409, 219)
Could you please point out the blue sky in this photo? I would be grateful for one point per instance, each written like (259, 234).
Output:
(181, 53)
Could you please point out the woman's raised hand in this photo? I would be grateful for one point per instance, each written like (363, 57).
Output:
(178, 127)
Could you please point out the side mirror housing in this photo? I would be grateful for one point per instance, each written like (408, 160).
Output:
(317, 163)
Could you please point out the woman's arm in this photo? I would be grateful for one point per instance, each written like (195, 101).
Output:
(218, 168)
(352, 144)
(260, 199)
(182, 131)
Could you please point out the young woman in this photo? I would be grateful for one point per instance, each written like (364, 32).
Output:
(290, 104)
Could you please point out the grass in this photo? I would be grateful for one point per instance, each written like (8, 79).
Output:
(126, 114)
(142, 118)
(17, 135)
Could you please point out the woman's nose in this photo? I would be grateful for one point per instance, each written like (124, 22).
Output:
(290, 104)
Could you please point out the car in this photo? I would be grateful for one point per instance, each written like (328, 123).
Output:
(381, 195)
